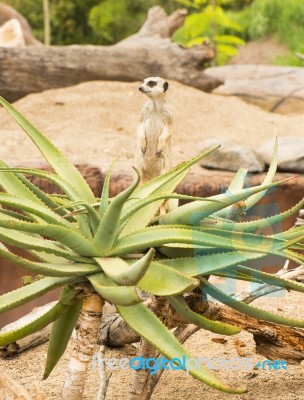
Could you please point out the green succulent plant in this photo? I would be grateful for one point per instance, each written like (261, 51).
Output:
(121, 246)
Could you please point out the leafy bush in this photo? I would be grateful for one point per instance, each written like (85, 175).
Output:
(210, 25)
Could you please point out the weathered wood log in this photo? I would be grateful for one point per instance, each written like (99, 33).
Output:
(150, 52)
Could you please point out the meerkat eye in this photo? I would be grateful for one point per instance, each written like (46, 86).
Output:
(151, 83)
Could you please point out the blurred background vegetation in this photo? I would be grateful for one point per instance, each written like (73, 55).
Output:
(224, 24)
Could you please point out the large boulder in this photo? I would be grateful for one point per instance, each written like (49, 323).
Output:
(274, 88)
(230, 156)
(291, 153)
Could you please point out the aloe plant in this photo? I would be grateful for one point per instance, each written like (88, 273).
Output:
(117, 248)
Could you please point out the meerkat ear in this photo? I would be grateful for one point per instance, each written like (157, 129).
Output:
(166, 85)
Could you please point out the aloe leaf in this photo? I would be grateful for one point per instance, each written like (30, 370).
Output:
(23, 295)
(120, 272)
(63, 185)
(15, 215)
(180, 305)
(210, 263)
(72, 239)
(14, 186)
(155, 332)
(61, 307)
(252, 226)
(60, 335)
(32, 208)
(111, 292)
(247, 309)
(268, 178)
(43, 197)
(272, 242)
(104, 201)
(151, 199)
(194, 212)
(27, 242)
(53, 156)
(270, 279)
(162, 280)
(49, 269)
(164, 184)
(94, 216)
(230, 273)
(159, 236)
(238, 181)
(54, 259)
(107, 230)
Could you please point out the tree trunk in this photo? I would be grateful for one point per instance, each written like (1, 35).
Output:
(83, 346)
(142, 384)
(150, 52)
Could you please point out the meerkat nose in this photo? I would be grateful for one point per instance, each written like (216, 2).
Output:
(140, 89)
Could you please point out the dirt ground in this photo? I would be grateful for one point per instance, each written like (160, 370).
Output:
(263, 51)
(93, 122)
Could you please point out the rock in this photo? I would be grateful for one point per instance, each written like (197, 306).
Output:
(291, 153)
(11, 34)
(231, 157)
(8, 13)
(274, 88)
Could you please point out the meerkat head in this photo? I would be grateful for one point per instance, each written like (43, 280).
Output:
(154, 86)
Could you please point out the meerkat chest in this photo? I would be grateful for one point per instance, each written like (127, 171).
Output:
(154, 124)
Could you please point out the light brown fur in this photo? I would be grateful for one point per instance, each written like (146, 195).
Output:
(154, 131)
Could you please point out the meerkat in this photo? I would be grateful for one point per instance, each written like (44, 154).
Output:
(154, 131)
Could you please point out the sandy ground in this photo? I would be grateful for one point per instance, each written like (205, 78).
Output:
(93, 122)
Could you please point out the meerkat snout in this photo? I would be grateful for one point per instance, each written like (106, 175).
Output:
(154, 86)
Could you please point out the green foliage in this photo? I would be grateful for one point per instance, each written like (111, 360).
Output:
(281, 18)
(211, 25)
(124, 245)
(114, 20)
(88, 22)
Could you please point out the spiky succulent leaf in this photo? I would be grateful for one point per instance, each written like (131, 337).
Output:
(161, 280)
(164, 184)
(50, 269)
(113, 293)
(53, 156)
(120, 272)
(194, 212)
(247, 309)
(51, 315)
(107, 230)
(62, 328)
(180, 305)
(23, 295)
(160, 337)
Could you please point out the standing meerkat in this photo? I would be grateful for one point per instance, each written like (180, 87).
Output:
(154, 131)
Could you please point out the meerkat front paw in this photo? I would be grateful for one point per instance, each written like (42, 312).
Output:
(143, 149)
